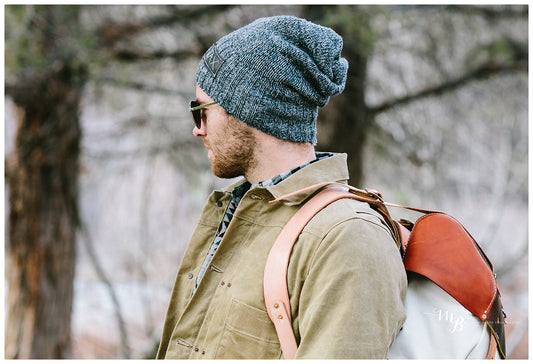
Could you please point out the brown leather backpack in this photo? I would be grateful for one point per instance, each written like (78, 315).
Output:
(448, 273)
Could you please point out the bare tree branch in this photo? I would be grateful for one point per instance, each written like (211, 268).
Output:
(484, 71)
(492, 12)
(151, 151)
(111, 291)
(140, 86)
(144, 242)
(111, 32)
(130, 55)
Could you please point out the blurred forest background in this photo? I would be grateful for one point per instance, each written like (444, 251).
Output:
(104, 180)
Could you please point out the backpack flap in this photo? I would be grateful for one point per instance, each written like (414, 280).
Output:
(441, 249)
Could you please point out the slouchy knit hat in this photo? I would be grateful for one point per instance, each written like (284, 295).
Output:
(274, 73)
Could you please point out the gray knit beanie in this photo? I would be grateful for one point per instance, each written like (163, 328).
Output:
(274, 73)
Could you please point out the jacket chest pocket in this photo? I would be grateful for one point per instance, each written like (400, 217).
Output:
(248, 334)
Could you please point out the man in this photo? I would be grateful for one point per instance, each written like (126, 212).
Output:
(259, 89)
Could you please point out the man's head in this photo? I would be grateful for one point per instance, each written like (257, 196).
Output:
(231, 144)
(274, 73)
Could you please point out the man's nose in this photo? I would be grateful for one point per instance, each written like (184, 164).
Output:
(199, 132)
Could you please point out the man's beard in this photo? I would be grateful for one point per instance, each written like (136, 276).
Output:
(235, 154)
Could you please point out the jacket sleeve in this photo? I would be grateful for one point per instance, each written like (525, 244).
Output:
(350, 304)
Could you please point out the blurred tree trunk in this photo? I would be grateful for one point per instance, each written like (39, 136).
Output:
(345, 121)
(42, 175)
(348, 118)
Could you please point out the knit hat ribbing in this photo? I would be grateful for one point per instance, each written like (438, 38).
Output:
(274, 73)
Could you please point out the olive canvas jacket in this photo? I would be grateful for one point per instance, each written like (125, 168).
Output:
(346, 279)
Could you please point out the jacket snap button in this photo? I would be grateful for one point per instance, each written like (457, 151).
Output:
(219, 203)
(190, 275)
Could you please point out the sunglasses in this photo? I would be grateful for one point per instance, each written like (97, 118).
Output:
(196, 110)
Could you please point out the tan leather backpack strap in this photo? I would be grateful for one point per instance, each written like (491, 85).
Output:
(373, 198)
(275, 289)
(370, 196)
(404, 236)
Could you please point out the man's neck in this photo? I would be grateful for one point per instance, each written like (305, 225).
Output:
(275, 156)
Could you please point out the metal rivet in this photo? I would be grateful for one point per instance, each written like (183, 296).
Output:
(222, 283)
(203, 352)
(276, 305)
(190, 275)
(280, 317)
(196, 349)
(229, 285)
(219, 203)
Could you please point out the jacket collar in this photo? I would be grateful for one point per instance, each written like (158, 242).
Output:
(332, 169)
